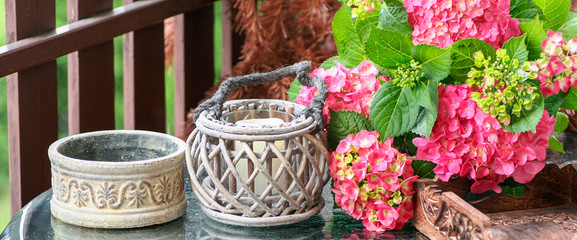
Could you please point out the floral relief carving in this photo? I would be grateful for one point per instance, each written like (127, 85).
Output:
(179, 188)
(107, 195)
(163, 191)
(446, 219)
(430, 198)
(455, 225)
(560, 218)
(446, 224)
(61, 189)
(81, 193)
(136, 195)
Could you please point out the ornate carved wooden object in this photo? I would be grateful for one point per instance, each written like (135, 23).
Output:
(546, 210)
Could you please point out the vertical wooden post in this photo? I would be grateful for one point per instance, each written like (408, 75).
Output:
(144, 99)
(231, 40)
(193, 61)
(90, 76)
(32, 105)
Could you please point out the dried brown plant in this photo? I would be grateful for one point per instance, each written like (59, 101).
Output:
(278, 33)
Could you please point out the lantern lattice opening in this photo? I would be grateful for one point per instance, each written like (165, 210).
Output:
(258, 175)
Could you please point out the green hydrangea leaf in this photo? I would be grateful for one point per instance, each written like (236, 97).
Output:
(404, 143)
(524, 10)
(365, 26)
(569, 28)
(535, 35)
(343, 123)
(513, 191)
(389, 49)
(570, 102)
(554, 11)
(393, 111)
(427, 96)
(424, 169)
(425, 122)
(511, 187)
(561, 123)
(528, 119)
(294, 90)
(517, 49)
(350, 33)
(436, 61)
(555, 145)
(393, 16)
(349, 43)
(553, 102)
(462, 57)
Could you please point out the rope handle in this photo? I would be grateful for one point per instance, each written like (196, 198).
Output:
(301, 69)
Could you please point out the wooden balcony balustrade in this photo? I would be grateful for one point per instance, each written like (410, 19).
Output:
(29, 62)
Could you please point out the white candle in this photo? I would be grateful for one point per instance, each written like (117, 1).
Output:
(259, 122)
(260, 181)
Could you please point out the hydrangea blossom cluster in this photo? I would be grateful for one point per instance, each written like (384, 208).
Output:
(373, 181)
(502, 90)
(467, 142)
(443, 22)
(556, 69)
(349, 89)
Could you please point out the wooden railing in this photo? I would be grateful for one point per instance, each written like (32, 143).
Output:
(29, 62)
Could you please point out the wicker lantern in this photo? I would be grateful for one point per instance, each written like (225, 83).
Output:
(259, 162)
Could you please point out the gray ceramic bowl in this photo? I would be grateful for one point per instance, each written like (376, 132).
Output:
(117, 179)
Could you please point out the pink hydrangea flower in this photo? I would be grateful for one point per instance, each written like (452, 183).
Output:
(349, 89)
(474, 145)
(556, 69)
(443, 22)
(380, 187)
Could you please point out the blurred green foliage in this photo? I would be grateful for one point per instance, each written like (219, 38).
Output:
(4, 187)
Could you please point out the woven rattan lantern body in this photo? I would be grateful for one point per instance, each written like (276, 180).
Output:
(258, 175)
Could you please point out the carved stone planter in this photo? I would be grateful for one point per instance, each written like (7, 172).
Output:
(117, 179)
(545, 211)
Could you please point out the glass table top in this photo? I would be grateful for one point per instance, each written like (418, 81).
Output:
(35, 221)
